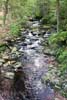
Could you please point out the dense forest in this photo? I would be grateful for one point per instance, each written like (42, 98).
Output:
(33, 49)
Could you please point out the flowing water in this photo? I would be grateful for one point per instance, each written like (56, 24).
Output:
(35, 67)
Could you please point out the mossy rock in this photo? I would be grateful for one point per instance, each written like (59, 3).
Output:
(46, 26)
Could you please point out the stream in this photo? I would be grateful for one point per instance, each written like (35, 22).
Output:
(27, 82)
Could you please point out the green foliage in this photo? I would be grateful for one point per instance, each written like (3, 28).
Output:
(52, 19)
(59, 43)
(64, 94)
(60, 37)
(42, 9)
(63, 56)
(63, 15)
(20, 9)
(2, 47)
(15, 29)
(45, 20)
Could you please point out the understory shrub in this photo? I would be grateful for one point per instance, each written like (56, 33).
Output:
(15, 29)
(59, 45)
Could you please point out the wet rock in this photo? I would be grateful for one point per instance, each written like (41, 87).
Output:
(12, 62)
(46, 27)
(9, 75)
(14, 56)
(46, 35)
(9, 41)
(51, 66)
(18, 39)
(48, 52)
(17, 65)
(65, 86)
(8, 38)
(1, 63)
(21, 49)
(6, 65)
(2, 60)
(36, 24)
(57, 87)
(56, 81)
(5, 57)
(14, 49)
(48, 76)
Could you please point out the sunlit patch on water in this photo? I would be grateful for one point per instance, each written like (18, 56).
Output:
(37, 63)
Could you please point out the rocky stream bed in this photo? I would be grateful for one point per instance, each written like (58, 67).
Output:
(27, 73)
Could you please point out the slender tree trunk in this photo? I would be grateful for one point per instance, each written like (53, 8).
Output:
(5, 11)
(58, 15)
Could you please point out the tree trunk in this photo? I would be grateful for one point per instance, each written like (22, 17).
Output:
(5, 11)
(58, 15)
